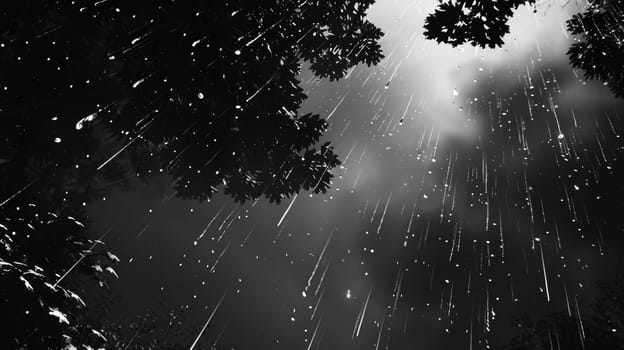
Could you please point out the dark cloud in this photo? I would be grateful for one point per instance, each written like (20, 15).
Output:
(411, 206)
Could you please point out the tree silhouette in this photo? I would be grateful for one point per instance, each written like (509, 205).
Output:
(159, 328)
(43, 190)
(598, 50)
(38, 248)
(211, 87)
(480, 23)
(94, 93)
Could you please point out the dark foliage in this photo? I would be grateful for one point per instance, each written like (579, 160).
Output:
(93, 94)
(211, 87)
(480, 23)
(37, 248)
(598, 50)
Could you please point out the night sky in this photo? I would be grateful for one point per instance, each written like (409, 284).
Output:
(477, 186)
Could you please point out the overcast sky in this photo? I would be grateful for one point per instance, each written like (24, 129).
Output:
(432, 159)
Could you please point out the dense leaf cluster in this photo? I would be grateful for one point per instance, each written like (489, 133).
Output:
(598, 50)
(210, 87)
(95, 93)
(480, 23)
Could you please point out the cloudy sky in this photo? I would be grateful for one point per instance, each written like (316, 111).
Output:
(468, 195)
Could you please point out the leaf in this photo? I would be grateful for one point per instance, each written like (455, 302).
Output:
(77, 298)
(113, 272)
(26, 283)
(62, 318)
(99, 334)
(112, 257)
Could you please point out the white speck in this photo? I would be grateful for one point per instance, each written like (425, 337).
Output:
(137, 83)
(81, 122)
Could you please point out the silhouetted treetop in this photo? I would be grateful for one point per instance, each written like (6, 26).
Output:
(598, 30)
(92, 92)
(478, 22)
(599, 51)
(211, 87)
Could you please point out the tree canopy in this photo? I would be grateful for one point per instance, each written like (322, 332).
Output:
(598, 50)
(598, 33)
(95, 93)
(480, 23)
(210, 87)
